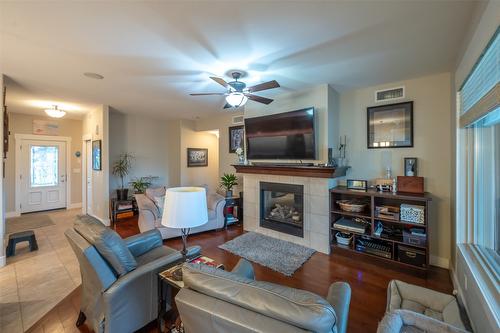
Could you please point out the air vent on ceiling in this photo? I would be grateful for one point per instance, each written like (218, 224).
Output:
(389, 94)
(238, 120)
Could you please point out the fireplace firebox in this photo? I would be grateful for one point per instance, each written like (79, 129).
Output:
(282, 208)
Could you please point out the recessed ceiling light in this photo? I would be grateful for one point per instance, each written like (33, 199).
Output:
(93, 75)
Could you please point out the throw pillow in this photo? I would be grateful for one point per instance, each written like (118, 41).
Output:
(160, 203)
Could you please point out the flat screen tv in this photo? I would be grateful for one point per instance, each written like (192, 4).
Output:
(282, 136)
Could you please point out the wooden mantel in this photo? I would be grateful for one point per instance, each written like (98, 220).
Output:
(292, 170)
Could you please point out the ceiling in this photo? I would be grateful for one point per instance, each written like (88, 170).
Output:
(153, 54)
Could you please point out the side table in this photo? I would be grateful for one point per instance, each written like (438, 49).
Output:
(229, 216)
(121, 207)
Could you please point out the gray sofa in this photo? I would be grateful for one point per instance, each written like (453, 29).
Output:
(150, 214)
(405, 321)
(119, 276)
(233, 302)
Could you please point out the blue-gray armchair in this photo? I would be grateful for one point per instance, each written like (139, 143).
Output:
(119, 276)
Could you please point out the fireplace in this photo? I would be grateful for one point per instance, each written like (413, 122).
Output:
(282, 208)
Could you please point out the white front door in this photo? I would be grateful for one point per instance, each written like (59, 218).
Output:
(43, 175)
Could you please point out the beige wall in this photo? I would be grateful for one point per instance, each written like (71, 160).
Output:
(23, 124)
(153, 142)
(432, 142)
(190, 138)
(2, 184)
(96, 124)
(222, 124)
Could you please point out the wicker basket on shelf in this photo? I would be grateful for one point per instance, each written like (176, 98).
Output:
(351, 206)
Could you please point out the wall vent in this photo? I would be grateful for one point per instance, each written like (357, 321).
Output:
(238, 120)
(389, 94)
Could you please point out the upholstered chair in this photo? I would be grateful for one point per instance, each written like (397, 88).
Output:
(216, 301)
(119, 276)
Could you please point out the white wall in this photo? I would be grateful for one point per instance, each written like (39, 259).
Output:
(192, 176)
(96, 124)
(431, 114)
(325, 101)
(151, 141)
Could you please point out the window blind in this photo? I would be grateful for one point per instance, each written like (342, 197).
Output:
(480, 92)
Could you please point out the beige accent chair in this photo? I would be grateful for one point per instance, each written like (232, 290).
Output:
(216, 301)
(425, 302)
(150, 213)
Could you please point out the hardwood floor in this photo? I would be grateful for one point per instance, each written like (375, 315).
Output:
(368, 281)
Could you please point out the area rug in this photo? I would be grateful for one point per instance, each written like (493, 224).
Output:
(27, 222)
(279, 255)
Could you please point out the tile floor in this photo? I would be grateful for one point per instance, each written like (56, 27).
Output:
(32, 283)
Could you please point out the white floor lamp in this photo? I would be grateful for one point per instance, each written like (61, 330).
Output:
(185, 208)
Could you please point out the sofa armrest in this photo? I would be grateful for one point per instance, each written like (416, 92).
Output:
(144, 203)
(144, 242)
(215, 201)
(339, 296)
(245, 269)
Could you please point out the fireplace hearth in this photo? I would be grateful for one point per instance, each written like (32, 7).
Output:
(282, 208)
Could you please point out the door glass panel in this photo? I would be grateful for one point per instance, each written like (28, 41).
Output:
(44, 165)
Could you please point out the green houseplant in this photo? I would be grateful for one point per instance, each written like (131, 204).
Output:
(227, 181)
(142, 183)
(121, 168)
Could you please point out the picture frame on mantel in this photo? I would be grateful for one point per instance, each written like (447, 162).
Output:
(390, 126)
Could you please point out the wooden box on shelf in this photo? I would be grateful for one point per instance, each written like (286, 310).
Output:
(385, 237)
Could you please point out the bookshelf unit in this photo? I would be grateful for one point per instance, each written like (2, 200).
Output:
(403, 254)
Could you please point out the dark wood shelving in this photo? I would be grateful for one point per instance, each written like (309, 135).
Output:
(374, 199)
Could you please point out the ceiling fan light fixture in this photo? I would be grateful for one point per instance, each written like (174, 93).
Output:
(236, 99)
(55, 112)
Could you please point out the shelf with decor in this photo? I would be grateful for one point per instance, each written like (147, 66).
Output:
(392, 227)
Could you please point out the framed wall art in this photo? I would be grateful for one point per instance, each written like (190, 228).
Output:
(197, 157)
(236, 138)
(410, 166)
(390, 126)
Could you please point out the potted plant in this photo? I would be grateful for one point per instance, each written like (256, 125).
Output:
(227, 182)
(142, 183)
(121, 168)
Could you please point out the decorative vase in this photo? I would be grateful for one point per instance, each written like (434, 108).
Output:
(241, 159)
(229, 194)
(122, 194)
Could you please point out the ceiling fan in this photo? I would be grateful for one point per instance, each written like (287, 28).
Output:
(237, 93)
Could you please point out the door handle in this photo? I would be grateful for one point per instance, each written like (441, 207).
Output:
(63, 178)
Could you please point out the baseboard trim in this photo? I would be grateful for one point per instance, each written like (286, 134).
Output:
(12, 214)
(3, 261)
(75, 205)
(439, 261)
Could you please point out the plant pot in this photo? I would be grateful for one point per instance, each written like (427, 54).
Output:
(229, 194)
(122, 194)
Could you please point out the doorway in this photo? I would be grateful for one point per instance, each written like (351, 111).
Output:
(41, 173)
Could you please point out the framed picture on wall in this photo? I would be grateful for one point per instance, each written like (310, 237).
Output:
(410, 166)
(390, 126)
(236, 138)
(96, 155)
(197, 157)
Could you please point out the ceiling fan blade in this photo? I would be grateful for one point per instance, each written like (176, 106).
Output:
(219, 81)
(264, 86)
(227, 106)
(208, 94)
(259, 99)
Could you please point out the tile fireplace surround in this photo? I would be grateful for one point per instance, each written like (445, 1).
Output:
(316, 209)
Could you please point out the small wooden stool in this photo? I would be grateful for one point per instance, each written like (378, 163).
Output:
(23, 236)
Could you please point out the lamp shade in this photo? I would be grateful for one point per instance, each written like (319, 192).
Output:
(185, 207)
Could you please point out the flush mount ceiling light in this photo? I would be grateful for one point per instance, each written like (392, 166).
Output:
(236, 99)
(55, 112)
(94, 76)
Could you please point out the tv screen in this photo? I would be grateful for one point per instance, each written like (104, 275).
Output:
(284, 136)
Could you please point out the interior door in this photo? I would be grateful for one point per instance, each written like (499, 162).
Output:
(43, 175)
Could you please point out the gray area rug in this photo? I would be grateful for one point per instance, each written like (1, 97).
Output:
(279, 255)
(27, 222)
